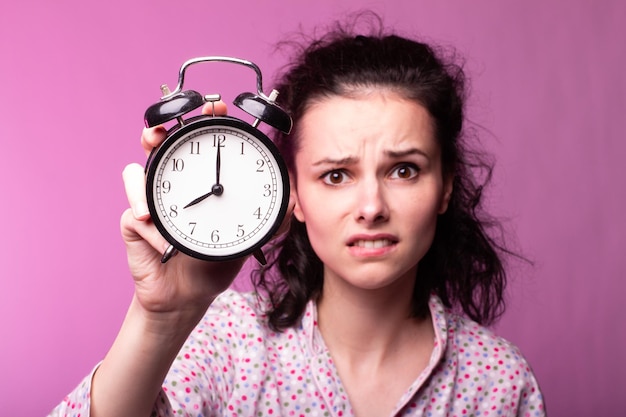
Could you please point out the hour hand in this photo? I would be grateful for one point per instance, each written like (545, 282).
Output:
(217, 189)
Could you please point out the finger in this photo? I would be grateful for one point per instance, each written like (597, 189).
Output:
(135, 186)
(152, 137)
(141, 238)
(217, 108)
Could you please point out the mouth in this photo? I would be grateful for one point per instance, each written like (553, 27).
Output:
(371, 243)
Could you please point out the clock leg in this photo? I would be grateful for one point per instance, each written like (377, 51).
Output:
(169, 252)
(260, 257)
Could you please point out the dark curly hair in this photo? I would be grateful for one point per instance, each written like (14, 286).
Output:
(464, 265)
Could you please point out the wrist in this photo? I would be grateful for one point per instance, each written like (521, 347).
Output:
(130, 376)
(164, 326)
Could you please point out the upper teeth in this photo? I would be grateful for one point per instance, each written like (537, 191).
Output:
(370, 244)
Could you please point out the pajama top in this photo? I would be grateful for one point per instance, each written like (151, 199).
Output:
(233, 364)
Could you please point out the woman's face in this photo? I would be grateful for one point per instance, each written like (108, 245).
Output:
(369, 186)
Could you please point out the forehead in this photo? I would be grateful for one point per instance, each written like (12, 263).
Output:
(379, 120)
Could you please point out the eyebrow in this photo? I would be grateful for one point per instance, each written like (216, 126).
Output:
(348, 160)
(406, 152)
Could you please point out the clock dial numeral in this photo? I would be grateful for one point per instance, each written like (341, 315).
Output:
(240, 231)
(195, 148)
(192, 226)
(166, 187)
(268, 190)
(215, 236)
(219, 139)
(260, 164)
(257, 213)
(178, 164)
(242, 145)
(173, 210)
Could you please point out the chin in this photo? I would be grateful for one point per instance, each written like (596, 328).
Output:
(377, 277)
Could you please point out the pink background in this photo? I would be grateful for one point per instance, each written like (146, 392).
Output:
(548, 94)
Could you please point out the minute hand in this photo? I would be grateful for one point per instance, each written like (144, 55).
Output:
(218, 165)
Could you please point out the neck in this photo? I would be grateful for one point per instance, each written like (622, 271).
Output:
(370, 325)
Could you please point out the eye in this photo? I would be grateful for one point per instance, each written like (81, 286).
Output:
(334, 177)
(405, 171)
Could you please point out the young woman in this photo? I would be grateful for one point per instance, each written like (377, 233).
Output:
(376, 293)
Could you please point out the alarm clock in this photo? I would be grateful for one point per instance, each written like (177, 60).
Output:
(217, 188)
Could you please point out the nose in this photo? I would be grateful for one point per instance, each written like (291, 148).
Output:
(371, 205)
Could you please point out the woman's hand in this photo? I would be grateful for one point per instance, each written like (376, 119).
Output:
(183, 284)
(169, 301)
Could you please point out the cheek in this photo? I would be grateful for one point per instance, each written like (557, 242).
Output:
(422, 219)
(323, 242)
(318, 219)
(308, 212)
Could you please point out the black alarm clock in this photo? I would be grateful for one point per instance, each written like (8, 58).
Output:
(217, 188)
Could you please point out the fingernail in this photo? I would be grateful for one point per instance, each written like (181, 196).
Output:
(140, 210)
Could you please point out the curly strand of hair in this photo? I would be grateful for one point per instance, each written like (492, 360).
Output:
(300, 280)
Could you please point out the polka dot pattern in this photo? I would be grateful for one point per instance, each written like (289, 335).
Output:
(233, 364)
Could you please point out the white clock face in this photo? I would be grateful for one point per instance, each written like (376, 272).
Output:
(217, 191)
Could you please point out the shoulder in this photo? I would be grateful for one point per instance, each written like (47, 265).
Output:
(237, 311)
(481, 349)
(474, 339)
(233, 318)
(233, 324)
(487, 364)
(239, 303)
(475, 346)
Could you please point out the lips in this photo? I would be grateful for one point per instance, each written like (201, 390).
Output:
(372, 242)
